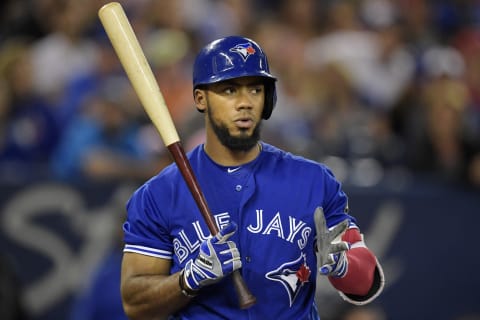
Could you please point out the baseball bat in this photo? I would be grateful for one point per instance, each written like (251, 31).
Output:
(139, 72)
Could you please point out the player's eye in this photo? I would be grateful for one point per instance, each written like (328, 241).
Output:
(229, 90)
(256, 89)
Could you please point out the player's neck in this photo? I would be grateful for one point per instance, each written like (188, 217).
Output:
(228, 157)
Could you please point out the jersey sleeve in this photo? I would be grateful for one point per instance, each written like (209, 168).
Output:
(335, 201)
(144, 229)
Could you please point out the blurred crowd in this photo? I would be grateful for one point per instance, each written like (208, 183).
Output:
(377, 89)
(380, 90)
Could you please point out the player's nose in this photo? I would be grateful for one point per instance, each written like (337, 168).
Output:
(245, 99)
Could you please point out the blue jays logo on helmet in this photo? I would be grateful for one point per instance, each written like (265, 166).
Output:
(245, 50)
(234, 57)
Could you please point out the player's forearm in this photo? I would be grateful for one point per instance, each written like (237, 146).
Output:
(152, 296)
(360, 275)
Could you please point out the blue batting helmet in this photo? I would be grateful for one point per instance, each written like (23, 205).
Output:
(234, 57)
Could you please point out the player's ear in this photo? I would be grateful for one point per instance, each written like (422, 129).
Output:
(200, 98)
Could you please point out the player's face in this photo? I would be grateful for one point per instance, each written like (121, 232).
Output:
(234, 111)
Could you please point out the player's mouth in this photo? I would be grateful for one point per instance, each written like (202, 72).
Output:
(244, 122)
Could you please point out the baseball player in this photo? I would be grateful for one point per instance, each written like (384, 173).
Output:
(283, 219)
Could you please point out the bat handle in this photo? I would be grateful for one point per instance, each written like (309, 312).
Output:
(245, 298)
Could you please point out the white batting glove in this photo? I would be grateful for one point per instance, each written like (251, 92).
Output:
(217, 258)
(330, 251)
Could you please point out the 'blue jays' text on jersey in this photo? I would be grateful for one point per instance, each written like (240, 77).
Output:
(272, 199)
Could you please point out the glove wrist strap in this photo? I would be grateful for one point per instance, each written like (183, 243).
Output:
(186, 291)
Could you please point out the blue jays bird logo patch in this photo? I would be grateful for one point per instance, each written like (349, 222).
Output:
(292, 275)
(245, 50)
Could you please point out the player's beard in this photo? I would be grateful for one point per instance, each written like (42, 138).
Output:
(241, 143)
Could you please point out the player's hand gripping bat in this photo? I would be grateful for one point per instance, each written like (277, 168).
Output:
(138, 70)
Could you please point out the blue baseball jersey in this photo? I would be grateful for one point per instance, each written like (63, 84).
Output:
(272, 199)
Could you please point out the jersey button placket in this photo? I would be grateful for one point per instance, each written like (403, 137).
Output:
(238, 187)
